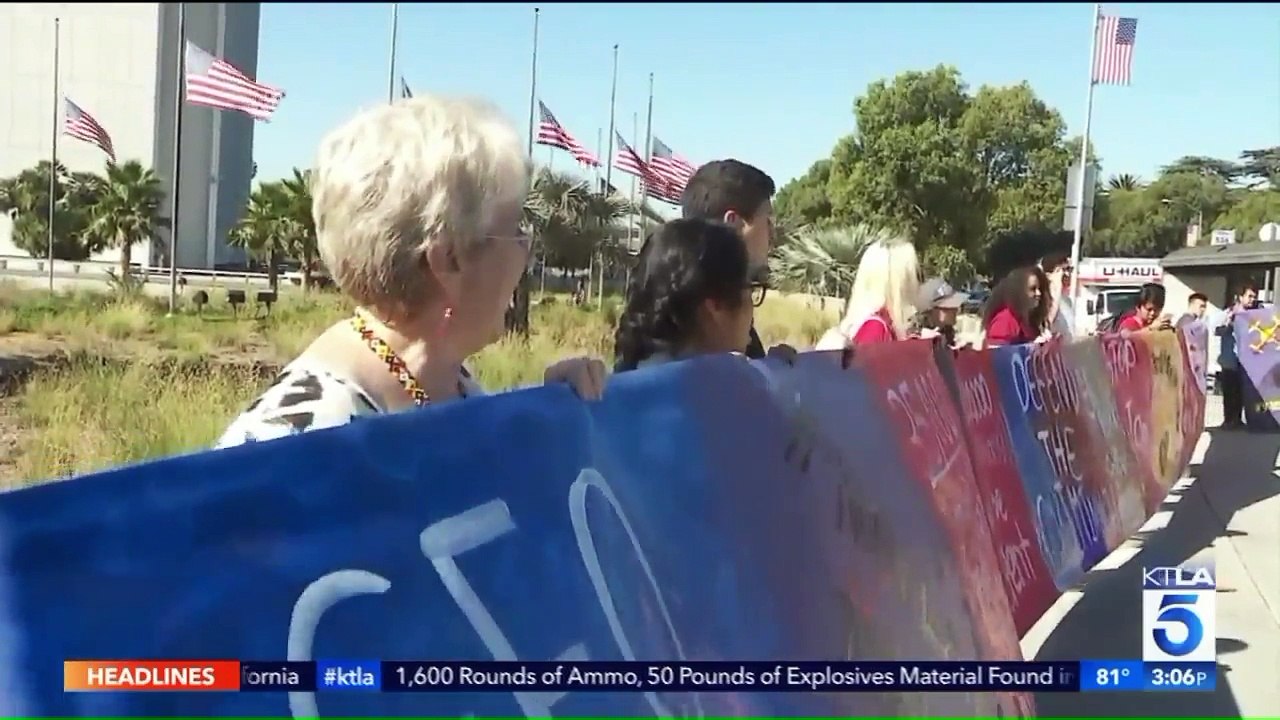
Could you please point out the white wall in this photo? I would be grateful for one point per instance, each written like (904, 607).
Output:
(118, 61)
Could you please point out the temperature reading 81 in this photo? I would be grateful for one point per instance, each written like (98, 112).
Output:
(1111, 676)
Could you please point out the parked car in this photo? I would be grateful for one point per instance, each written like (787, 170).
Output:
(977, 298)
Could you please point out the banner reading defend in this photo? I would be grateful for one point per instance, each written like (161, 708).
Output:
(171, 675)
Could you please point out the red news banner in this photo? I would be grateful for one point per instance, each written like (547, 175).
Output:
(588, 676)
(185, 675)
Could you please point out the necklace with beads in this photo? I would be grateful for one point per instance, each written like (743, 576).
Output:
(395, 365)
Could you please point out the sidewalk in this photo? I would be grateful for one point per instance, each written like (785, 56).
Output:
(1229, 509)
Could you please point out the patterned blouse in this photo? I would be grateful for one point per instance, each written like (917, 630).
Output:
(306, 396)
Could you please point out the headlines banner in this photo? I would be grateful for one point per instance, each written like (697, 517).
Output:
(895, 506)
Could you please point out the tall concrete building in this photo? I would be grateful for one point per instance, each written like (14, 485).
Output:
(119, 62)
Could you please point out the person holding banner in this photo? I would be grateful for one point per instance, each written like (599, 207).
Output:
(417, 208)
(883, 299)
(1230, 376)
(693, 292)
(1061, 316)
(1018, 309)
(939, 305)
(1146, 313)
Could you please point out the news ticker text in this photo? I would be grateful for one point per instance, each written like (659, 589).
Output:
(594, 676)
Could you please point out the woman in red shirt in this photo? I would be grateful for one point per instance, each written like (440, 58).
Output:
(1018, 308)
(1146, 313)
(882, 301)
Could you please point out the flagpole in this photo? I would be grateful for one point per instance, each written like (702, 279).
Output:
(215, 164)
(53, 155)
(179, 79)
(648, 158)
(1081, 192)
(391, 69)
(533, 80)
(635, 131)
(613, 100)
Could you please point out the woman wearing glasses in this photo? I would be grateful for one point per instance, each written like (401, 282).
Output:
(692, 294)
(417, 208)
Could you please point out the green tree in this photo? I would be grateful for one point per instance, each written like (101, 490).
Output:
(909, 165)
(27, 196)
(1135, 223)
(1190, 196)
(267, 230)
(1019, 144)
(570, 222)
(294, 199)
(1261, 166)
(127, 211)
(949, 263)
(1224, 170)
(573, 228)
(1255, 209)
(823, 261)
(949, 168)
(804, 200)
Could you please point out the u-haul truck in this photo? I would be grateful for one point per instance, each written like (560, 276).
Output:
(1110, 286)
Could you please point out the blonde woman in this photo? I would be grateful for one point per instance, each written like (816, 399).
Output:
(417, 206)
(882, 302)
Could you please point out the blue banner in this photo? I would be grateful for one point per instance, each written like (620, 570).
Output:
(878, 505)
(686, 517)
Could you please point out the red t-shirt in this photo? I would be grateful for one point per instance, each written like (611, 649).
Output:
(1130, 322)
(875, 329)
(1007, 329)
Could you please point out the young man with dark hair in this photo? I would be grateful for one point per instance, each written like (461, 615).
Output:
(1197, 304)
(1230, 375)
(739, 195)
(1057, 268)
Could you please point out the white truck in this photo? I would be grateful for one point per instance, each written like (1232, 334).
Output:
(1110, 286)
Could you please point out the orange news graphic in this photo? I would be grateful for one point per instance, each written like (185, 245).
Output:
(172, 675)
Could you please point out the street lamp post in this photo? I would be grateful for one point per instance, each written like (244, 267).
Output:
(1199, 214)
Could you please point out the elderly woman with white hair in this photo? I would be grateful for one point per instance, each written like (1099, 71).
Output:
(417, 207)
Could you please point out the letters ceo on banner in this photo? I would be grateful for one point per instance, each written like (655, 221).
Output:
(707, 510)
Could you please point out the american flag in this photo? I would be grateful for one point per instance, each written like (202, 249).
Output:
(217, 84)
(405, 92)
(673, 168)
(654, 184)
(80, 125)
(553, 134)
(1113, 59)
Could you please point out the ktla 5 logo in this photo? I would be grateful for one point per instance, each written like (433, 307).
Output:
(1178, 614)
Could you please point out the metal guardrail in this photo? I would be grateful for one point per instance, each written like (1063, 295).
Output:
(27, 267)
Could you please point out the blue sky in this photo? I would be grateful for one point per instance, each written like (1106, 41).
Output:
(774, 84)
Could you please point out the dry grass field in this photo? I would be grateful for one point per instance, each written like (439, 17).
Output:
(116, 381)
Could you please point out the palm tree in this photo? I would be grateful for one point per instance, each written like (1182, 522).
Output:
(295, 200)
(267, 230)
(823, 261)
(128, 210)
(1124, 181)
(570, 225)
